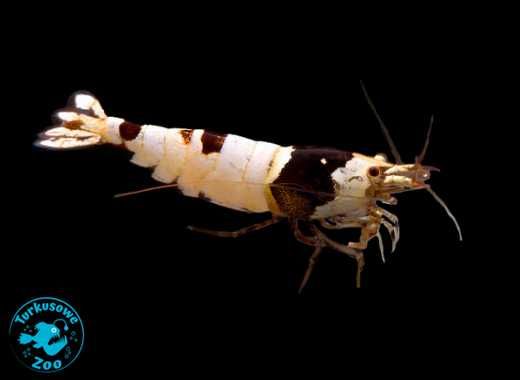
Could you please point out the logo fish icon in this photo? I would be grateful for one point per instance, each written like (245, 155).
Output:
(48, 337)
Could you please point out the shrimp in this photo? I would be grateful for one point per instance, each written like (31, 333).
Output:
(314, 188)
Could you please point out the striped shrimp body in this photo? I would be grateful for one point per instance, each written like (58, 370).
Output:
(321, 188)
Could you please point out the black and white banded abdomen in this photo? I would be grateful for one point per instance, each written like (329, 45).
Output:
(228, 170)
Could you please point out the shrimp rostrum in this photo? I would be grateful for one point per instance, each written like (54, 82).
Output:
(315, 189)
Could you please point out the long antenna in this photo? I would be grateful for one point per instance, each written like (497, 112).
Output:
(445, 207)
(393, 148)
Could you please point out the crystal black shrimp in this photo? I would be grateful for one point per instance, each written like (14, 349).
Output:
(321, 188)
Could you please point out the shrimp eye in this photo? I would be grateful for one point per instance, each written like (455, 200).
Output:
(373, 171)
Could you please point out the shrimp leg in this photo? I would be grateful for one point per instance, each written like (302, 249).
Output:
(237, 233)
(320, 240)
(310, 267)
(357, 254)
(313, 241)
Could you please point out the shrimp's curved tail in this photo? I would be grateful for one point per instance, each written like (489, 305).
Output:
(82, 123)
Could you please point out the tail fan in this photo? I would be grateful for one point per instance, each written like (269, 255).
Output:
(78, 125)
(25, 338)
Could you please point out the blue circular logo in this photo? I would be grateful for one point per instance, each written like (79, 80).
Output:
(46, 334)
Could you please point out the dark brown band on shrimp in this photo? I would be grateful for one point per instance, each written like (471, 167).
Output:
(305, 182)
(129, 131)
(212, 142)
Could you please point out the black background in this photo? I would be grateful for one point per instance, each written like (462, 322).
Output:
(156, 298)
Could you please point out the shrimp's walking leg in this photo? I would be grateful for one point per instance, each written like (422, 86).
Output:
(319, 240)
(357, 254)
(237, 233)
(313, 241)
(310, 267)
